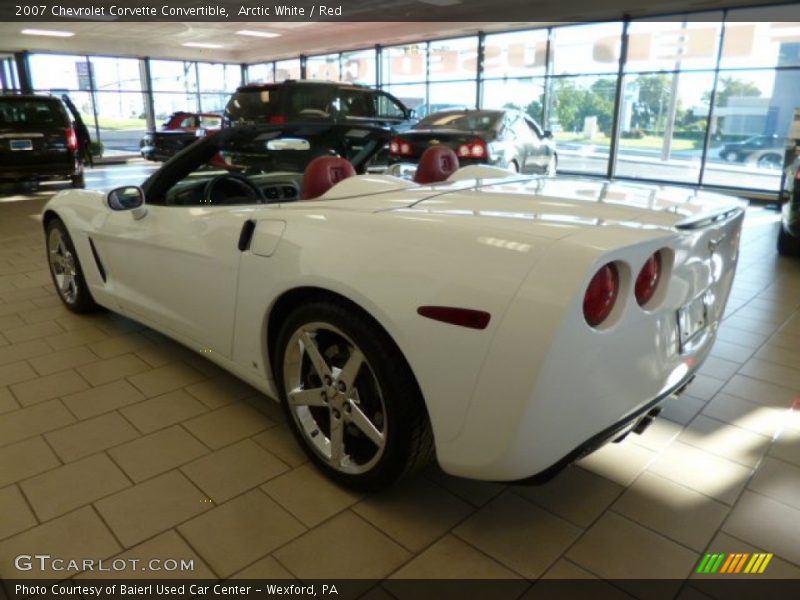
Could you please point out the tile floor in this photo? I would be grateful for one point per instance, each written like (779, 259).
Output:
(116, 442)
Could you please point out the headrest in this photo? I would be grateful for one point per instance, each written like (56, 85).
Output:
(436, 164)
(323, 173)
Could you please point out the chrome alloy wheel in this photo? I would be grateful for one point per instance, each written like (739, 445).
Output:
(62, 264)
(334, 398)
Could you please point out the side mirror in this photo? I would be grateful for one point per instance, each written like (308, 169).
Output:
(412, 113)
(548, 134)
(130, 198)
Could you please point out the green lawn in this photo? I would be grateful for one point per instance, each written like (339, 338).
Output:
(649, 141)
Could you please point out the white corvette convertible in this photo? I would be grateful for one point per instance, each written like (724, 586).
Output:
(507, 324)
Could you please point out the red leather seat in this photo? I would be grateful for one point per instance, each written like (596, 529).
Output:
(437, 163)
(323, 173)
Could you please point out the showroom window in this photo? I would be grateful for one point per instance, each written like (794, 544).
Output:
(261, 73)
(216, 83)
(287, 69)
(666, 91)
(452, 74)
(174, 85)
(323, 68)
(9, 81)
(360, 67)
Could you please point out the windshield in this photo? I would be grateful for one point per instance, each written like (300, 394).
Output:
(461, 120)
(20, 113)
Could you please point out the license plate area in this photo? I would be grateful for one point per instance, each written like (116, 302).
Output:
(20, 145)
(692, 320)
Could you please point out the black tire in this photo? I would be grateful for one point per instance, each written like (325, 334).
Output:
(788, 245)
(76, 297)
(408, 440)
(78, 181)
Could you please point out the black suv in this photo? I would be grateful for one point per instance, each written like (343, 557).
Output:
(305, 100)
(42, 137)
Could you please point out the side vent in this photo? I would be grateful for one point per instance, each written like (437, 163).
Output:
(97, 260)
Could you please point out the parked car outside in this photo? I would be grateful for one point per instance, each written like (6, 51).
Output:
(505, 138)
(765, 151)
(178, 131)
(42, 137)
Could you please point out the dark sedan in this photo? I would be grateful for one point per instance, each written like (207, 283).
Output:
(789, 233)
(504, 138)
(42, 137)
(765, 150)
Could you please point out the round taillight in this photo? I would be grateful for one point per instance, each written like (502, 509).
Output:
(405, 148)
(601, 295)
(394, 147)
(463, 150)
(647, 281)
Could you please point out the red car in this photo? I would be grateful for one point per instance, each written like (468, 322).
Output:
(178, 131)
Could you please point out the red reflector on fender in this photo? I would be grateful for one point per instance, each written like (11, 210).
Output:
(464, 317)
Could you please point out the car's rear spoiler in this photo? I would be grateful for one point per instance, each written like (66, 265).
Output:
(704, 220)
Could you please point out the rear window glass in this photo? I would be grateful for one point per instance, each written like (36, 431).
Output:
(16, 113)
(464, 121)
(260, 105)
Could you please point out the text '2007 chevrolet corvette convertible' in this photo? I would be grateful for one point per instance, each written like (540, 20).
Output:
(506, 323)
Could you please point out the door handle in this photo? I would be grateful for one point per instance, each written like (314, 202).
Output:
(246, 235)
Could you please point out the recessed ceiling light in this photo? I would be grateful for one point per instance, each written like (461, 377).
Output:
(201, 45)
(254, 33)
(50, 32)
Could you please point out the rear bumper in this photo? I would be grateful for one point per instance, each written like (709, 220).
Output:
(43, 171)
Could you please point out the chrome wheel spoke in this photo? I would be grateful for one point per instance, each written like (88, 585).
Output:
(357, 417)
(313, 353)
(309, 397)
(351, 369)
(337, 441)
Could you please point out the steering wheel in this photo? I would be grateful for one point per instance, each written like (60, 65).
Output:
(221, 187)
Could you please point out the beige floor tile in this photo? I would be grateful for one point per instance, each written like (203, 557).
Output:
(168, 546)
(66, 488)
(234, 469)
(766, 523)
(727, 441)
(787, 446)
(757, 418)
(14, 307)
(48, 387)
(25, 459)
(264, 568)
(617, 548)
(397, 513)
(75, 338)
(102, 399)
(660, 434)
(477, 493)
(33, 420)
(111, 369)
(760, 392)
(15, 373)
(709, 474)
(17, 352)
(10, 322)
(282, 443)
(165, 379)
(343, 547)
(309, 495)
(228, 424)
(62, 360)
(779, 480)
(704, 387)
(233, 535)
(672, 510)
(772, 373)
(787, 340)
(163, 411)
(452, 558)
(151, 507)
(90, 436)
(32, 332)
(220, 391)
(574, 494)
(157, 453)
(119, 344)
(621, 463)
(15, 515)
(80, 533)
(720, 368)
(779, 355)
(7, 401)
(732, 351)
(565, 569)
(518, 534)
